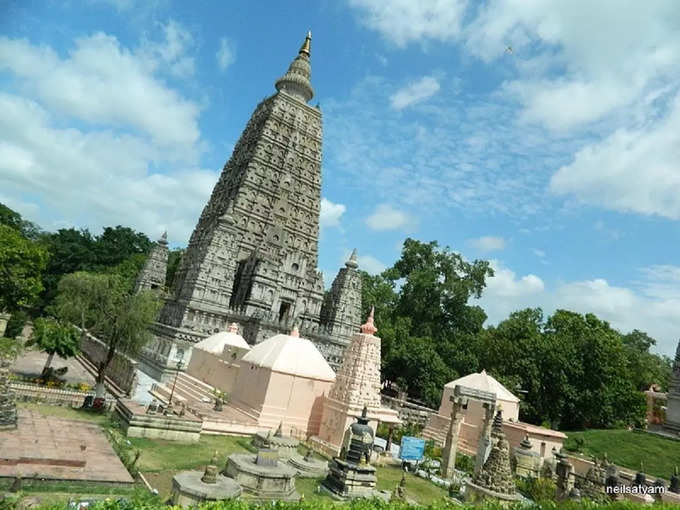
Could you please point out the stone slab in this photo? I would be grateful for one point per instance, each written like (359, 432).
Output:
(54, 448)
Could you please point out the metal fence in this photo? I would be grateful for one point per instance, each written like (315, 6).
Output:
(53, 396)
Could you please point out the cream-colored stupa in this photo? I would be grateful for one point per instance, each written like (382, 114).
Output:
(357, 385)
(283, 380)
(216, 360)
(542, 439)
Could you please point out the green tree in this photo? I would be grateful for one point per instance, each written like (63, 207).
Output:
(104, 306)
(117, 244)
(645, 367)
(22, 263)
(14, 220)
(55, 337)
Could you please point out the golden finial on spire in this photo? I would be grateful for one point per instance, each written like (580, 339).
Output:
(306, 46)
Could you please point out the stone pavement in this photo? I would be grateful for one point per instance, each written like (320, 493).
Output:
(54, 448)
(31, 363)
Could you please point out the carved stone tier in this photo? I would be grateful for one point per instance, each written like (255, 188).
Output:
(309, 467)
(286, 446)
(347, 480)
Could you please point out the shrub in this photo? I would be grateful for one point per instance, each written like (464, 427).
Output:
(541, 490)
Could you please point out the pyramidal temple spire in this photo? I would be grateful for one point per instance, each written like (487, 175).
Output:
(296, 81)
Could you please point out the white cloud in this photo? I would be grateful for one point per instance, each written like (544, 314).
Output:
(386, 217)
(414, 93)
(487, 243)
(649, 305)
(370, 264)
(584, 70)
(331, 213)
(630, 170)
(404, 21)
(96, 178)
(172, 51)
(539, 253)
(226, 55)
(104, 83)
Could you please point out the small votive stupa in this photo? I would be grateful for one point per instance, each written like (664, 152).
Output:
(286, 446)
(495, 480)
(351, 476)
(189, 488)
(262, 476)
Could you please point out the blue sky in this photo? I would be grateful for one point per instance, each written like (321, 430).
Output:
(543, 136)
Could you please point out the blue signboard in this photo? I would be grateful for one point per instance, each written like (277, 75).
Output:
(412, 448)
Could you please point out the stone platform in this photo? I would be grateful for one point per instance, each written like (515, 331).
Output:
(137, 423)
(189, 489)
(55, 449)
(262, 482)
(477, 494)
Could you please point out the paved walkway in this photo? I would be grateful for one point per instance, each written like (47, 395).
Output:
(56, 448)
(31, 363)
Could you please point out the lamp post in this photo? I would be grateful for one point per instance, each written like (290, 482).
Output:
(172, 392)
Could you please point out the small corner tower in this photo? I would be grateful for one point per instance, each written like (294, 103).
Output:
(340, 313)
(152, 275)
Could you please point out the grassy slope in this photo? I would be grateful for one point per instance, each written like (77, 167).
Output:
(627, 449)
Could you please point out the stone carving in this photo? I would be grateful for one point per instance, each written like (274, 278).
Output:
(252, 257)
(673, 400)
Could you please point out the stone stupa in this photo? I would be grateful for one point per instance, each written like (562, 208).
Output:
(286, 446)
(495, 481)
(351, 476)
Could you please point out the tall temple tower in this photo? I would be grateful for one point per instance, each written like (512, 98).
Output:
(253, 255)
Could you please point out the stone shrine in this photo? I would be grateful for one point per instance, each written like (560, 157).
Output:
(253, 255)
(357, 386)
(350, 474)
(673, 399)
(528, 462)
(8, 406)
(262, 476)
(152, 275)
(495, 481)
(189, 488)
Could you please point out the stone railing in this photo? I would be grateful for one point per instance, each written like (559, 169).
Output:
(409, 412)
(122, 370)
(52, 396)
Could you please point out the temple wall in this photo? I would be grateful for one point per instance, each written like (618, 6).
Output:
(215, 371)
(474, 414)
(122, 370)
(297, 401)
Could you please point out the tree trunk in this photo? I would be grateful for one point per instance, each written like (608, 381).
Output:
(100, 388)
(47, 363)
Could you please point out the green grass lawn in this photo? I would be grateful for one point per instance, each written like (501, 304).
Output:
(420, 490)
(628, 448)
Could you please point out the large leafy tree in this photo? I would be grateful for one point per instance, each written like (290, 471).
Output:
(104, 305)
(14, 220)
(55, 337)
(423, 317)
(22, 263)
(645, 367)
